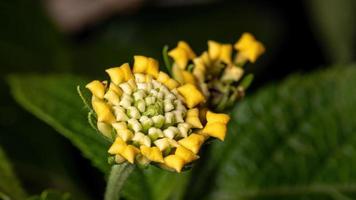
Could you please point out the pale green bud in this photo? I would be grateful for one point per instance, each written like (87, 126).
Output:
(150, 100)
(154, 93)
(165, 143)
(178, 116)
(184, 129)
(156, 84)
(168, 105)
(160, 95)
(140, 78)
(133, 112)
(134, 125)
(126, 88)
(155, 133)
(169, 118)
(170, 96)
(142, 86)
(171, 132)
(120, 114)
(146, 123)
(142, 139)
(140, 105)
(126, 101)
(139, 94)
(158, 121)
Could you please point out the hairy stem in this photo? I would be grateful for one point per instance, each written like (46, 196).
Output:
(117, 178)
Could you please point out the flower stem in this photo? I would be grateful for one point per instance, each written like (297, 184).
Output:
(117, 178)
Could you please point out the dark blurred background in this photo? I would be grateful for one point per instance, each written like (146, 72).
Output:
(86, 36)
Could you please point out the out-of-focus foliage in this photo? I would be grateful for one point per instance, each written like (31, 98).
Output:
(293, 140)
(51, 195)
(334, 25)
(10, 187)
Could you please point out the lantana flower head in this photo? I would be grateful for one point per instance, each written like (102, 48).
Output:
(152, 118)
(219, 71)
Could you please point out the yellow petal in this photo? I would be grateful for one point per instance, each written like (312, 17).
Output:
(146, 65)
(112, 97)
(175, 162)
(97, 88)
(103, 111)
(140, 64)
(225, 54)
(116, 89)
(193, 142)
(191, 95)
(185, 154)
(214, 49)
(216, 129)
(117, 147)
(152, 67)
(188, 77)
(180, 57)
(171, 84)
(152, 153)
(129, 153)
(126, 70)
(249, 47)
(187, 49)
(217, 117)
(116, 74)
(205, 58)
(192, 118)
(162, 77)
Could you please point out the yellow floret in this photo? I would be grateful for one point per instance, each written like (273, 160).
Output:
(192, 118)
(118, 146)
(185, 154)
(103, 111)
(146, 65)
(193, 142)
(191, 95)
(174, 162)
(217, 117)
(219, 51)
(97, 88)
(152, 153)
(129, 153)
(171, 84)
(217, 130)
(249, 47)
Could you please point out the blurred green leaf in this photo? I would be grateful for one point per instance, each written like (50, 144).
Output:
(335, 28)
(51, 195)
(294, 140)
(53, 98)
(9, 185)
(29, 40)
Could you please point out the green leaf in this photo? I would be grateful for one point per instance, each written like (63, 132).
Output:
(54, 99)
(10, 187)
(294, 140)
(334, 27)
(51, 195)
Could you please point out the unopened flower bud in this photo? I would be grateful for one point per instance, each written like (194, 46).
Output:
(158, 121)
(146, 123)
(132, 112)
(134, 125)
